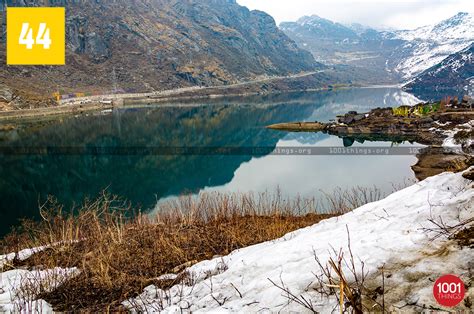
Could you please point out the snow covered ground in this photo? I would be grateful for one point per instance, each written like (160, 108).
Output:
(22, 255)
(428, 54)
(396, 233)
(19, 289)
(449, 142)
(393, 233)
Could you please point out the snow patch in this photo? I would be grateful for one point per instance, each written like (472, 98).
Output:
(449, 142)
(22, 255)
(19, 289)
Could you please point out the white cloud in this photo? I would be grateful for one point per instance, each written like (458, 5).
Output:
(400, 14)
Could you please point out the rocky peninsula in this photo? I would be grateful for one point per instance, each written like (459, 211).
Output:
(445, 127)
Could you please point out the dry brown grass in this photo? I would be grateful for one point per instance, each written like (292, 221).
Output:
(119, 252)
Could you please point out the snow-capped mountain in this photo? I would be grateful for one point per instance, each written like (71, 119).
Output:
(381, 56)
(427, 46)
(456, 72)
(459, 26)
(316, 26)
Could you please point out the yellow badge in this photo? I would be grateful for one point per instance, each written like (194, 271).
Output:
(36, 36)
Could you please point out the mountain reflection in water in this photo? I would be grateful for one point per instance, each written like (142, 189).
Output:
(26, 180)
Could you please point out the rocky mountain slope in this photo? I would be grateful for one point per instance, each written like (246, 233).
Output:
(147, 45)
(395, 55)
(455, 73)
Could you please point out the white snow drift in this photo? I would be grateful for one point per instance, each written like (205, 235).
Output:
(394, 232)
(19, 289)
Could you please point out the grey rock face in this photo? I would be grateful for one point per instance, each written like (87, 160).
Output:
(75, 33)
(6, 94)
(97, 47)
(82, 40)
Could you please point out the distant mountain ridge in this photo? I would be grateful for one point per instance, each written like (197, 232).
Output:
(363, 49)
(396, 56)
(326, 28)
(147, 45)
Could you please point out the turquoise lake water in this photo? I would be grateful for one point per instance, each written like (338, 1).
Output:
(149, 155)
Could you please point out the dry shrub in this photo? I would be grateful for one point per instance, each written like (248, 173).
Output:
(462, 136)
(119, 251)
(345, 200)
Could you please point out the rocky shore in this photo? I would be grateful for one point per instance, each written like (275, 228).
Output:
(447, 128)
(9, 119)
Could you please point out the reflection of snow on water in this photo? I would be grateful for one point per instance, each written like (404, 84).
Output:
(306, 138)
(404, 99)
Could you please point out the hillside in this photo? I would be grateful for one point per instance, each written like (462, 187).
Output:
(454, 73)
(148, 45)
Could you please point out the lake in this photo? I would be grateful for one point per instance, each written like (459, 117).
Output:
(149, 155)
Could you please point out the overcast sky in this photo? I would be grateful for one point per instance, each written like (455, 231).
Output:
(399, 14)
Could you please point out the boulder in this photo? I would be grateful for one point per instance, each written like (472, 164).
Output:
(467, 101)
(469, 174)
(347, 119)
(359, 117)
(426, 120)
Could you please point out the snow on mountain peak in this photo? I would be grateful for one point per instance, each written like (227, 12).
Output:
(460, 26)
(432, 44)
(403, 53)
(312, 20)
